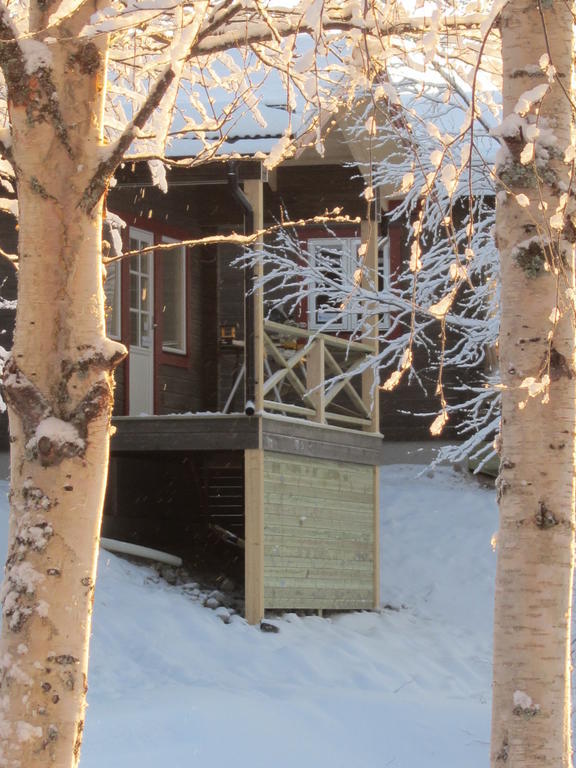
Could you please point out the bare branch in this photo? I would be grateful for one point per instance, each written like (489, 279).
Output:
(333, 217)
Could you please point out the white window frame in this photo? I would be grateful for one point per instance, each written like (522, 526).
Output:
(333, 319)
(114, 308)
(384, 271)
(180, 254)
(146, 240)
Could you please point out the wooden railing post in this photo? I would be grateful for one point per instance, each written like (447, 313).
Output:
(370, 393)
(315, 379)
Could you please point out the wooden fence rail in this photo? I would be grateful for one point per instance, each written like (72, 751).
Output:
(316, 376)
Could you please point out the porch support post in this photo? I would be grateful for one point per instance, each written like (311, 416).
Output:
(370, 393)
(315, 379)
(254, 191)
(254, 534)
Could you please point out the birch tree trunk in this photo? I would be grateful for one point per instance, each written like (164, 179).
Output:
(58, 387)
(531, 705)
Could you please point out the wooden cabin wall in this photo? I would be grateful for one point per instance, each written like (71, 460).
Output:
(120, 390)
(177, 502)
(319, 533)
(305, 191)
(179, 379)
(230, 312)
(210, 329)
(183, 383)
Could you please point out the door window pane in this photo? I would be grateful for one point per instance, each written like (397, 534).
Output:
(141, 295)
(134, 335)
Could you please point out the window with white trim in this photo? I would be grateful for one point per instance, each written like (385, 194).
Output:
(141, 307)
(384, 280)
(112, 299)
(333, 262)
(174, 299)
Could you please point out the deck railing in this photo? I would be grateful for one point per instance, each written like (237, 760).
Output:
(317, 377)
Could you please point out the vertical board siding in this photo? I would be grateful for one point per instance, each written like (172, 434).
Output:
(318, 533)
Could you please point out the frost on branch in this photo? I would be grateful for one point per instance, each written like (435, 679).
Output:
(438, 308)
(112, 235)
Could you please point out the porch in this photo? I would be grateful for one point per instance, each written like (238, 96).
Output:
(289, 507)
(280, 487)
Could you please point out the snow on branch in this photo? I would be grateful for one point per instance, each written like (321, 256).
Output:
(116, 152)
(438, 308)
(332, 217)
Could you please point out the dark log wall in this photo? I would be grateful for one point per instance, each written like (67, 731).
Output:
(194, 206)
(119, 390)
(178, 502)
(230, 311)
(179, 379)
(407, 412)
(209, 313)
(305, 191)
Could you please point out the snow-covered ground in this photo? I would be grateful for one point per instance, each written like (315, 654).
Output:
(172, 685)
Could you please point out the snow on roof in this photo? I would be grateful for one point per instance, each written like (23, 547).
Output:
(247, 115)
(244, 135)
(256, 126)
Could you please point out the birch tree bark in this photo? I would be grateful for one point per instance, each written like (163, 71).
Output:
(58, 388)
(58, 382)
(535, 236)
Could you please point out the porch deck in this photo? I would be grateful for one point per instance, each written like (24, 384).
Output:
(302, 497)
(237, 432)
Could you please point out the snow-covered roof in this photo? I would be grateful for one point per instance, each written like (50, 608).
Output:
(256, 124)
(245, 135)
(250, 117)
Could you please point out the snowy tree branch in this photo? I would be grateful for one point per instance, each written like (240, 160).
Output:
(333, 21)
(236, 239)
(100, 179)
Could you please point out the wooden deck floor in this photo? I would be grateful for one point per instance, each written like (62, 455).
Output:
(217, 432)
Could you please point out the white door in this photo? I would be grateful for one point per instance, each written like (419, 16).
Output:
(141, 359)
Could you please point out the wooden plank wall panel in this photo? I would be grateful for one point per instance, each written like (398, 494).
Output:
(318, 534)
(254, 535)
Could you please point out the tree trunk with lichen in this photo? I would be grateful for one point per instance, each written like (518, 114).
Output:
(58, 387)
(535, 233)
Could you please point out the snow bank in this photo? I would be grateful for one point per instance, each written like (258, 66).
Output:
(171, 684)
